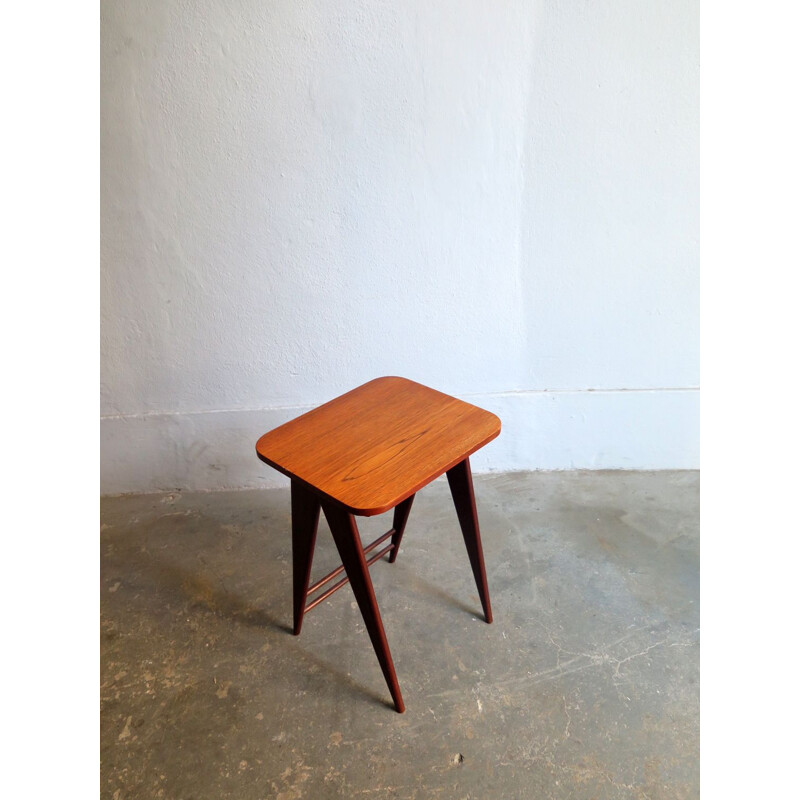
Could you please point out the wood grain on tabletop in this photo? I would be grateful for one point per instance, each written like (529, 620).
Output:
(374, 446)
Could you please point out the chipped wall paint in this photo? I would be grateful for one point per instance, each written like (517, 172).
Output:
(499, 201)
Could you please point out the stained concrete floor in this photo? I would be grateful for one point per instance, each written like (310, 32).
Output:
(585, 686)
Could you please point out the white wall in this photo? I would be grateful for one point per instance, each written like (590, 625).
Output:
(499, 200)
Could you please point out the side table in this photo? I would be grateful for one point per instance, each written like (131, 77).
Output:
(366, 452)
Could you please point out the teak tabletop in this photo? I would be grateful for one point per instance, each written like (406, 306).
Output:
(370, 449)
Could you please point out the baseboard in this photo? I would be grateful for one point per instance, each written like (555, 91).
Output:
(621, 429)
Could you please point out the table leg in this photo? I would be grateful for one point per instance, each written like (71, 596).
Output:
(401, 512)
(460, 480)
(348, 543)
(305, 519)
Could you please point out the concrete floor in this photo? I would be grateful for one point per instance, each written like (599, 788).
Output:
(585, 686)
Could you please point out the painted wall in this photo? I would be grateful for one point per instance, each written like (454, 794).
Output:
(499, 200)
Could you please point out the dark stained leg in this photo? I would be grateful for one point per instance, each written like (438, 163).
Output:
(460, 480)
(345, 534)
(400, 518)
(305, 518)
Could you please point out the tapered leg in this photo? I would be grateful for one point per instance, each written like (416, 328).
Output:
(460, 480)
(305, 518)
(399, 524)
(345, 534)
